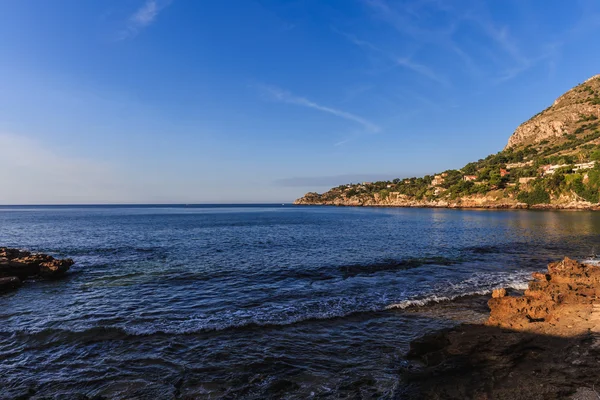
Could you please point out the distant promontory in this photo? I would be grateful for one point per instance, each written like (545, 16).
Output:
(551, 161)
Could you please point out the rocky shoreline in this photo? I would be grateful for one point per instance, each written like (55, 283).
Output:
(544, 344)
(476, 205)
(19, 265)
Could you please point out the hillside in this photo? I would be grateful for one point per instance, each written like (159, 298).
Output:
(551, 161)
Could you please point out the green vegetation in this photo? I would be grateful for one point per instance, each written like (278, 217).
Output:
(520, 173)
(500, 173)
(538, 195)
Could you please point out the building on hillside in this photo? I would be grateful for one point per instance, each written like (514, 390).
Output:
(519, 164)
(527, 179)
(437, 180)
(389, 186)
(438, 191)
(503, 172)
(469, 178)
(551, 169)
(589, 165)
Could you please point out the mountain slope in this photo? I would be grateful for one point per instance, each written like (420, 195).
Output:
(549, 162)
(562, 118)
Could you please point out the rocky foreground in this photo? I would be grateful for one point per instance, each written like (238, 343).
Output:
(544, 344)
(18, 265)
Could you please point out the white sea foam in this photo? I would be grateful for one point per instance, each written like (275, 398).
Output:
(309, 309)
(479, 284)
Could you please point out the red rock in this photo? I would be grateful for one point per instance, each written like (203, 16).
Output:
(540, 276)
(568, 283)
(23, 264)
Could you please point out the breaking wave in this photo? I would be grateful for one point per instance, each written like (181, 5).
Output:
(282, 315)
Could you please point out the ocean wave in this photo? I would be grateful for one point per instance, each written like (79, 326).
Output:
(45, 335)
(285, 314)
(440, 299)
(391, 265)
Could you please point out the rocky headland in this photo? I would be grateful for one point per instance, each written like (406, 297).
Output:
(19, 265)
(540, 344)
(551, 161)
(489, 201)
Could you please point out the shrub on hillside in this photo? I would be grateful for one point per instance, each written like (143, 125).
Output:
(536, 196)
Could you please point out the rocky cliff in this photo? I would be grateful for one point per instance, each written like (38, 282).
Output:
(492, 200)
(562, 118)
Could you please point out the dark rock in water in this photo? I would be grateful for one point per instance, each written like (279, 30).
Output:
(21, 265)
(9, 283)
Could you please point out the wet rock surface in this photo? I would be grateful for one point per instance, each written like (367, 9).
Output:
(18, 265)
(544, 344)
(9, 283)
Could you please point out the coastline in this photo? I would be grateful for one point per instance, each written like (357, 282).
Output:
(543, 344)
(521, 206)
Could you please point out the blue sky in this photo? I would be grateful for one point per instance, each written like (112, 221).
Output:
(157, 101)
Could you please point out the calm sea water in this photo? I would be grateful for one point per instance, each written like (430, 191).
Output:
(255, 301)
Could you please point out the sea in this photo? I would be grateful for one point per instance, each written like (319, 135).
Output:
(256, 301)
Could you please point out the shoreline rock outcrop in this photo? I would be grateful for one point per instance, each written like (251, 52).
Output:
(568, 291)
(474, 202)
(540, 344)
(18, 265)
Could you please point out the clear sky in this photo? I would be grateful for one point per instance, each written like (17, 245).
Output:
(182, 101)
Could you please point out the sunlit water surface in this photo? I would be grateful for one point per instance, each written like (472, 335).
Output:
(255, 301)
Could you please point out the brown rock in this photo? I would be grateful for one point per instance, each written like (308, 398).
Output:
(23, 264)
(560, 119)
(540, 276)
(497, 293)
(550, 296)
(55, 268)
(542, 345)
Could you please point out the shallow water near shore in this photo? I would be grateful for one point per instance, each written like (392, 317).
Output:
(256, 301)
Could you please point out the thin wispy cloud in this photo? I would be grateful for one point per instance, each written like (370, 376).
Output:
(405, 62)
(329, 181)
(143, 17)
(283, 96)
(510, 61)
(421, 70)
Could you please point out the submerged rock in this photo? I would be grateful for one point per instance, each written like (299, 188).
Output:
(18, 265)
(9, 283)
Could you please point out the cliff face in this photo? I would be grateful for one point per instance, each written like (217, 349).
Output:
(492, 200)
(561, 118)
(395, 199)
